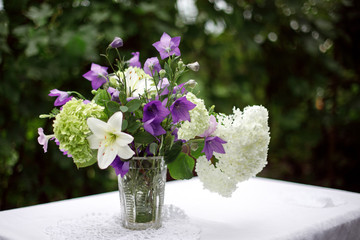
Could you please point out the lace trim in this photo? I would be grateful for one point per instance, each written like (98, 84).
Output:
(176, 225)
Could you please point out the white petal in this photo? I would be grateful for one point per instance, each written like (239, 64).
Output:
(94, 141)
(125, 152)
(115, 121)
(106, 155)
(98, 127)
(123, 139)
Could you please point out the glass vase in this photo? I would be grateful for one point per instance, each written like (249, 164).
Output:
(142, 193)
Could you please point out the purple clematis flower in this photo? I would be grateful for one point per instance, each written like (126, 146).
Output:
(62, 97)
(120, 167)
(180, 109)
(134, 61)
(168, 46)
(152, 65)
(153, 126)
(213, 144)
(155, 110)
(97, 75)
(116, 43)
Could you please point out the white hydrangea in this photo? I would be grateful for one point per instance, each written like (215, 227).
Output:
(213, 178)
(247, 136)
(199, 119)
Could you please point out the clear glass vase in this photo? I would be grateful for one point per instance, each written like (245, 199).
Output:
(142, 193)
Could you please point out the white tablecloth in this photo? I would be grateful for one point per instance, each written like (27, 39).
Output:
(259, 209)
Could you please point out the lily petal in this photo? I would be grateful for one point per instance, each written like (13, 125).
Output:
(125, 152)
(106, 155)
(115, 121)
(123, 139)
(97, 126)
(94, 141)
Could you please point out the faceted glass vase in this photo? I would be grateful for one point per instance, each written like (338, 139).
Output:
(142, 193)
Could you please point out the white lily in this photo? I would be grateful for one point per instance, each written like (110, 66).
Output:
(109, 140)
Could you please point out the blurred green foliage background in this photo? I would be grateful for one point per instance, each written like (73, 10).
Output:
(300, 59)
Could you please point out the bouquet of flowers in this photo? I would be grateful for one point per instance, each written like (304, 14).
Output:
(145, 111)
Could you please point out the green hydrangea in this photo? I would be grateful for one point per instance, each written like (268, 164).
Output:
(71, 130)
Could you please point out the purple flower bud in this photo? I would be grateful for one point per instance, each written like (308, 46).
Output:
(116, 43)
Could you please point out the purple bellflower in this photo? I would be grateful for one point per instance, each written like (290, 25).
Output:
(152, 65)
(168, 46)
(116, 43)
(97, 75)
(180, 109)
(62, 97)
(134, 61)
(153, 126)
(213, 144)
(114, 94)
(154, 114)
(155, 110)
(120, 167)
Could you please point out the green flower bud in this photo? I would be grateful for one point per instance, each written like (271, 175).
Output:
(162, 73)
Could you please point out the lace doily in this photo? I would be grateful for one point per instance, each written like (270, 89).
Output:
(176, 225)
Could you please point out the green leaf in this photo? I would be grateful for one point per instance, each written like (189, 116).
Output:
(124, 109)
(182, 167)
(143, 138)
(172, 153)
(112, 107)
(133, 105)
(101, 97)
(124, 124)
(122, 97)
(133, 125)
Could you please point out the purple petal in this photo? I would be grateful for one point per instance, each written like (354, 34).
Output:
(152, 63)
(213, 144)
(155, 110)
(180, 109)
(42, 139)
(154, 128)
(175, 42)
(62, 97)
(134, 61)
(165, 38)
(114, 94)
(97, 75)
(120, 167)
(168, 46)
